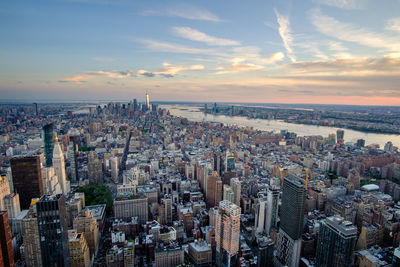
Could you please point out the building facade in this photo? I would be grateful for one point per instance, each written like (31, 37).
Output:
(27, 179)
(52, 222)
(227, 232)
(336, 242)
(6, 248)
(292, 221)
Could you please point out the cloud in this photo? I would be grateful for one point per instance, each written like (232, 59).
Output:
(345, 4)
(349, 67)
(249, 53)
(195, 35)
(186, 12)
(393, 24)
(238, 66)
(253, 54)
(167, 71)
(348, 32)
(286, 34)
(174, 48)
(336, 46)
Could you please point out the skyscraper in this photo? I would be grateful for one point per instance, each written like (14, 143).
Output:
(6, 249)
(236, 186)
(48, 143)
(59, 167)
(32, 252)
(336, 242)
(260, 219)
(228, 193)
(168, 209)
(265, 251)
(27, 179)
(227, 232)
(95, 168)
(72, 159)
(135, 105)
(272, 208)
(114, 169)
(213, 190)
(52, 221)
(340, 136)
(147, 102)
(292, 218)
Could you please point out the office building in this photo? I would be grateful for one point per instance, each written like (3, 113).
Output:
(114, 169)
(78, 249)
(236, 186)
(292, 219)
(74, 206)
(86, 224)
(228, 193)
(48, 140)
(272, 208)
(213, 190)
(12, 205)
(360, 142)
(230, 163)
(265, 252)
(73, 163)
(32, 251)
(51, 185)
(59, 167)
(52, 221)
(27, 179)
(200, 253)
(227, 232)
(95, 168)
(6, 249)
(260, 219)
(354, 178)
(147, 102)
(340, 136)
(336, 242)
(167, 209)
(4, 191)
(126, 208)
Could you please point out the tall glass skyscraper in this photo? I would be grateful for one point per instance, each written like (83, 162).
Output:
(336, 242)
(48, 143)
(292, 219)
(53, 232)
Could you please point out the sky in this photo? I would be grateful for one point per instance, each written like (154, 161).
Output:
(308, 51)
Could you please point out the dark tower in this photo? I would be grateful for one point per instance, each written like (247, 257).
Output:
(53, 232)
(48, 143)
(27, 179)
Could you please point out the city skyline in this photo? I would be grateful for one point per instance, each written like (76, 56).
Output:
(317, 51)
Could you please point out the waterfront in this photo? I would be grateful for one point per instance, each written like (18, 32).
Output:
(193, 113)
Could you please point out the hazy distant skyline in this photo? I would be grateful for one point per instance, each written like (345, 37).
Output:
(312, 51)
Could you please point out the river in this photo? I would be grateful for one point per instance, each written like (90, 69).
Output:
(193, 113)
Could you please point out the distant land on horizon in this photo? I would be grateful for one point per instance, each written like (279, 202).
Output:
(160, 102)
